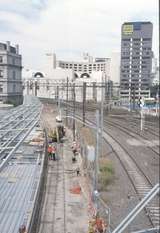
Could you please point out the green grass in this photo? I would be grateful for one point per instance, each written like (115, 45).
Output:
(106, 175)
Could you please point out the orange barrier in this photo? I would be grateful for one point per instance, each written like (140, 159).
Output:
(75, 190)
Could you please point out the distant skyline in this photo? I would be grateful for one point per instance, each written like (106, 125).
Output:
(70, 27)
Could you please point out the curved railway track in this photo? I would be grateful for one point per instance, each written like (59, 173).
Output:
(135, 122)
(140, 181)
(133, 134)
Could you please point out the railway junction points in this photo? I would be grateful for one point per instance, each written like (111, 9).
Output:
(38, 195)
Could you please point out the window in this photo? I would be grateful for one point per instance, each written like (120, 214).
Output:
(1, 59)
(145, 57)
(136, 39)
(125, 39)
(1, 88)
(14, 88)
(146, 39)
(125, 58)
(13, 61)
(1, 73)
(136, 44)
(14, 74)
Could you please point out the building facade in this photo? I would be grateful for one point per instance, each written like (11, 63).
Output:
(37, 84)
(82, 69)
(136, 60)
(52, 81)
(10, 74)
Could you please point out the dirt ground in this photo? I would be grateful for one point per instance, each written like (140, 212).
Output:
(63, 209)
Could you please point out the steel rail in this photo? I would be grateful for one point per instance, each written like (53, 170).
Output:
(139, 188)
(125, 130)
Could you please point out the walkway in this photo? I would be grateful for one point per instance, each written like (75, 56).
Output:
(63, 211)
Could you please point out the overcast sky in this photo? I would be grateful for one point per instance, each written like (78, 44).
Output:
(71, 27)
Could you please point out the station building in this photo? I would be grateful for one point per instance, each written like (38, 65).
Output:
(10, 74)
(53, 80)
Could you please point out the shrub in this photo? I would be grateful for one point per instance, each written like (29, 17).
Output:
(106, 174)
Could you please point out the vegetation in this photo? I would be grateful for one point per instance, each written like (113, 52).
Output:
(106, 175)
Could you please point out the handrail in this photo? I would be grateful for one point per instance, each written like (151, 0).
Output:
(130, 217)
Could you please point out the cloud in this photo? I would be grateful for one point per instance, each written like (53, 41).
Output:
(71, 27)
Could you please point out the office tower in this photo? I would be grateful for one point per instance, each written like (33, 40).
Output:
(10, 74)
(136, 60)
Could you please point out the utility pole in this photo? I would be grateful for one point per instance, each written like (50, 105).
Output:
(102, 113)
(134, 98)
(58, 99)
(67, 103)
(36, 88)
(74, 108)
(84, 102)
(96, 152)
(142, 113)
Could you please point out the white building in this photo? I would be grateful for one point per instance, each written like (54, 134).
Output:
(10, 74)
(53, 80)
(114, 71)
(86, 67)
(114, 74)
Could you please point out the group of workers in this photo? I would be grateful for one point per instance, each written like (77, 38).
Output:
(51, 152)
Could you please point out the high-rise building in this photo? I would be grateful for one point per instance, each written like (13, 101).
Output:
(136, 60)
(10, 74)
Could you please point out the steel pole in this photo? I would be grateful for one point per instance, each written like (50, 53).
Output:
(74, 108)
(102, 112)
(96, 152)
(84, 101)
(141, 118)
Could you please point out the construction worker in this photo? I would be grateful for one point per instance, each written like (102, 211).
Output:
(49, 150)
(54, 153)
(22, 229)
(78, 171)
(74, 148)
(99, 224)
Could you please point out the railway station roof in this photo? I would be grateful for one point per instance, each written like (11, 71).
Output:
(19, 181)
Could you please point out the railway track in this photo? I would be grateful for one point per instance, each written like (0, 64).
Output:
(134, 135)
(134, 122)
(140, 181)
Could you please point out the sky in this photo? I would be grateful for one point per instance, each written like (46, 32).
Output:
(71, 27)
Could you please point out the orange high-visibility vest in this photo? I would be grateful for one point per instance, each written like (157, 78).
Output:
(50, 149)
